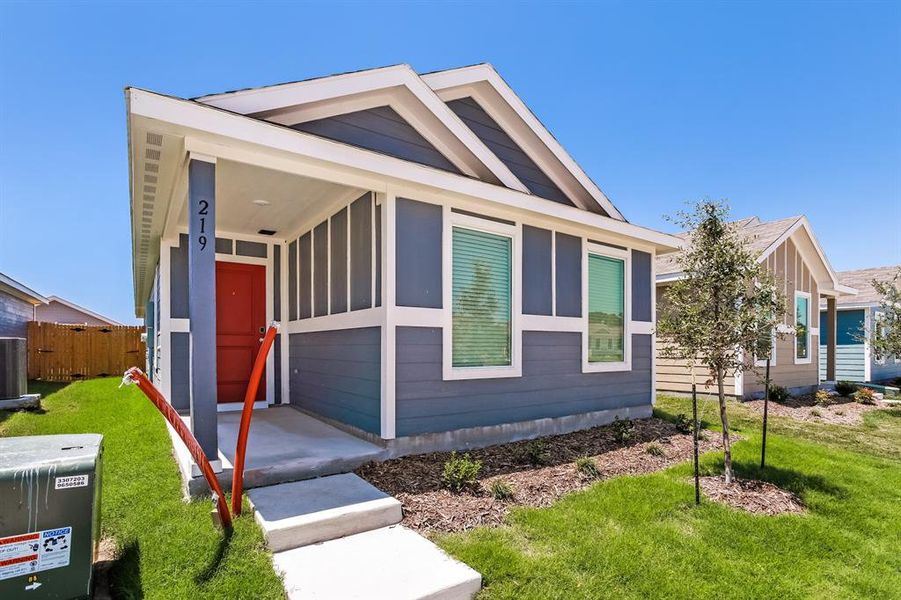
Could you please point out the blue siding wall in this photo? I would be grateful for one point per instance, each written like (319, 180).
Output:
(503, 146)
(14, 316)
(320, 269)
(306, 274)
(418, 254)
(552, 384)
(380, 129)
(178, 281)
(252, 249)
(536, 271)
(277, 282)
(569, 275)
(641, 286)
(180, 371)
(361, 253)
(292, 281)
(337, 374)
(338, 262)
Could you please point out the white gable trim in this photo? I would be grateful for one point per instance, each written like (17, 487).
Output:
(367, 89)
(443, 82)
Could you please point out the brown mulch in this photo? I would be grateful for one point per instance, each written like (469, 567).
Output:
(842, 411)
(427, 505)
(753, 496)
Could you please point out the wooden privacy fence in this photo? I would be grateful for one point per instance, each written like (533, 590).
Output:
(59, 352)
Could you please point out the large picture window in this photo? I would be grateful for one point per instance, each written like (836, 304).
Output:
(482, 299)
(606, 309)
(802, 327)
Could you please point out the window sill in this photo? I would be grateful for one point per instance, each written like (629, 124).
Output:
(462, 373)
(606, 367)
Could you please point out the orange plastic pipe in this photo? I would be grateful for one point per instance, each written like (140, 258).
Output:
(135, 375)
(250, 396)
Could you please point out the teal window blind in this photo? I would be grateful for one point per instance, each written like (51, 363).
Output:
(606, 309)
(482, 299)
(802, 330)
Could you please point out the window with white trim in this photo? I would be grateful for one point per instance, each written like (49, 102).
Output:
(802, 327)
(606, 309)
(482, 306)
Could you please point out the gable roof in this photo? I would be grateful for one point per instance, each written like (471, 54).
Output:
(12, 287)
(862, 281)
(763, 237)
(82, 309)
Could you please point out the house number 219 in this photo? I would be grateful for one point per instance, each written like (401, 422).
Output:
(203, 211)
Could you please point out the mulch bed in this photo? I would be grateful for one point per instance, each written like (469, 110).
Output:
(428, 506)
(757, 497)
(842, 411)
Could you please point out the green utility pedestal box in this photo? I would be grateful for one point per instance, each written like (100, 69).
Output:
(49, 515)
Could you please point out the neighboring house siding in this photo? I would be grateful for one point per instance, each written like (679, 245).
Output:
(337, 374)
(503, 146)
(850, 362)
(14, 316)
(552, 384)
(380, 129)
(56, 312)
(418, 251)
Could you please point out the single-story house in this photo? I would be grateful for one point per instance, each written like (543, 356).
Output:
(443, 272)
(18, 304)
(856, 317)
(791, 251)
(60, 310)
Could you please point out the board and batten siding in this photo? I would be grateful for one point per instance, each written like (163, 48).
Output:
(552, 384)
(337, 374)
(789, 267)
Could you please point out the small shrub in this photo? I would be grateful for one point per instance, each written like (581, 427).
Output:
(535, 453)
(500, 490)
(865, 396)
(460, 472)
(823, 398)
(779, 393)
(654, 450)
(683, 423)
(587, 467)
(623, 430)
(845, 388)
(840, 412)
(815, 413)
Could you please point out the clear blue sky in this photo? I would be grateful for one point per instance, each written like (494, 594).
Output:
(781, 108)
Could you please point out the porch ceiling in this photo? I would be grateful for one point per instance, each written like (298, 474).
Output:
(250, 198)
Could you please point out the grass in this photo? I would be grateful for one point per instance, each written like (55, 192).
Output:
(166, 548)
(643, 537)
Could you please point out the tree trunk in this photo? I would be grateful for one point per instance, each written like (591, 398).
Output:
(727, 449)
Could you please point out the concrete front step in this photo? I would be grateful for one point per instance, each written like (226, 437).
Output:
(390, 563)
(316, 510)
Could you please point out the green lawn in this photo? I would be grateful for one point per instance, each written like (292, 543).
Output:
(643, 537)
(167, 548)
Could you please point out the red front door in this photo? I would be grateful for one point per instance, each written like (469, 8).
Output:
(240, 323)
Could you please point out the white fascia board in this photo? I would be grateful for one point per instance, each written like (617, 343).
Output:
(268, 136)
(82, 309)
(350, 84)
(802, 223)
(484, 72)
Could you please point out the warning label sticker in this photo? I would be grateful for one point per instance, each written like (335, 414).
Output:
(32, 552)
(71, 481)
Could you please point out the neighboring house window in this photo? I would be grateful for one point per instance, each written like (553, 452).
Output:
(606, 309)
(802, 327)
(482, 299)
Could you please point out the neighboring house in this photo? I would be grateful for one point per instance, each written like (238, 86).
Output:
(17, 307)
(793, 254)
(856, 317)
(443, 272)
(60, 310)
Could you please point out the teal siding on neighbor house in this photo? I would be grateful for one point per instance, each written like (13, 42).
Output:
(552, 384)
(337, 374)
(850, 362)
(850, 327)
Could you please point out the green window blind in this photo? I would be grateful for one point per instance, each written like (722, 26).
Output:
(802, 331)
(606, 309)
(482, 299)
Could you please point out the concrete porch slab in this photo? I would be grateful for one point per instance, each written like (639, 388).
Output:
(392, 563)
(284, 445)
(300, 513)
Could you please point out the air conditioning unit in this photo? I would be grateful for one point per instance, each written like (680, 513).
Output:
(49, 515)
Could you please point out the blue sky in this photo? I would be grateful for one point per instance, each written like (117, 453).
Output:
(783, 108)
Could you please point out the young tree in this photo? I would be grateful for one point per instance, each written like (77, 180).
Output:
(715, 315)
(885, 337)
